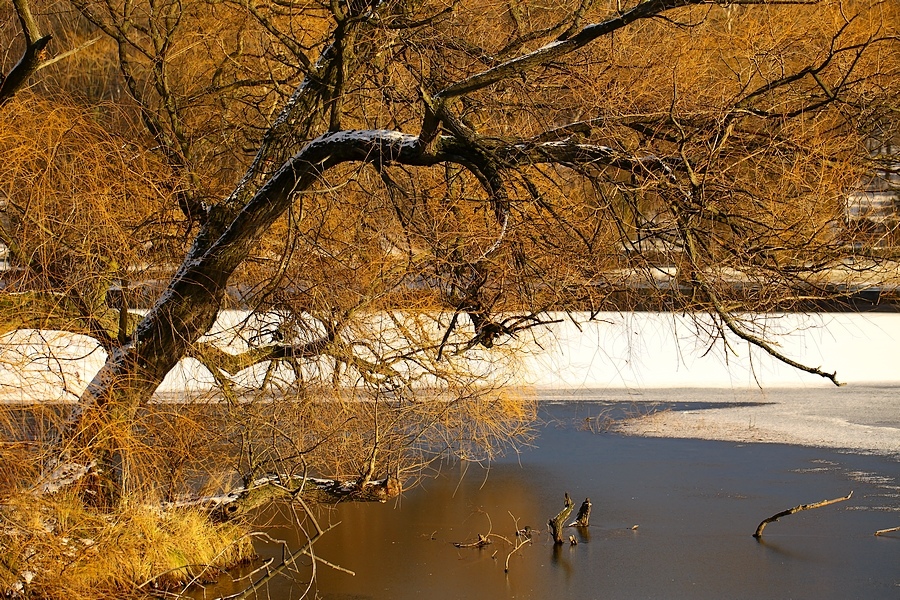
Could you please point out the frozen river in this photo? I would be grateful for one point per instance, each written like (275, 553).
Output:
(695, 504)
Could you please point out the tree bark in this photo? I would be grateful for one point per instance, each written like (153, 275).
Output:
(35, 43)
(244, 501)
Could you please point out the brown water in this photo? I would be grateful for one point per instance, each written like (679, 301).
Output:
(696, 504)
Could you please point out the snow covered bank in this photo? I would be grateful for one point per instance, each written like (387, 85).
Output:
(633, 351)
(858, 417)
(639, 359)
(660, 350)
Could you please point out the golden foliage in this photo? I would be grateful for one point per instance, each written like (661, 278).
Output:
(732, 136)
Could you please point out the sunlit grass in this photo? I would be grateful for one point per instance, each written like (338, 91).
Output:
(57, 548)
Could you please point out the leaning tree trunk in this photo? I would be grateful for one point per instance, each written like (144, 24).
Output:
(98, 428)
(35, 44)
(190, 304)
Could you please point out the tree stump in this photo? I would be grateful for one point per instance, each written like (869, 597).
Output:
(557, 523)
(583, 519)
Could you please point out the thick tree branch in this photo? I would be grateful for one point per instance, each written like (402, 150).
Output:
(35, 43)
(215, 358)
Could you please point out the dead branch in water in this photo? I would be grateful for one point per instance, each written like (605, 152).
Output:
(520, 541)
(523, 536)
(289, 488)
(483, 539)
(889, 530)
(481, 542)
(796, 509)
(556, 523)
(583, 519)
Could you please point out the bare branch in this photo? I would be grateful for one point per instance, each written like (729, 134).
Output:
(555, 50)
(796, 509)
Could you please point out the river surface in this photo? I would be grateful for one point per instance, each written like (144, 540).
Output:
(695, 503)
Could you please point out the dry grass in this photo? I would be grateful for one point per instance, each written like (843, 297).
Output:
(55, 548)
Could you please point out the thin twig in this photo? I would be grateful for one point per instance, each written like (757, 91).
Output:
(284, 564)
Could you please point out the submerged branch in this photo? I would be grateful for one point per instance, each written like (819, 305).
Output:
(481, 542)
(520, 541)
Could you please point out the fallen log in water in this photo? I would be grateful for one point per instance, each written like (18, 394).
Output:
(242, 500)
(796, 509)
(889, 530)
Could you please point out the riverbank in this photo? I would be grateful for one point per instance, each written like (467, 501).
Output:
(860, 418)
(863, 419)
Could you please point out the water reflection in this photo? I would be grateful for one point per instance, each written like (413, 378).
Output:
(696, 503)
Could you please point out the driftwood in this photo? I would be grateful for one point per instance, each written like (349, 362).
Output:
(889, 530)
(523, 536)
(796, 509)
(557, 522)
(525, 532)
(583, 519)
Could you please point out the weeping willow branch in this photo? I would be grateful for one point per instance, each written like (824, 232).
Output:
(727, 317)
